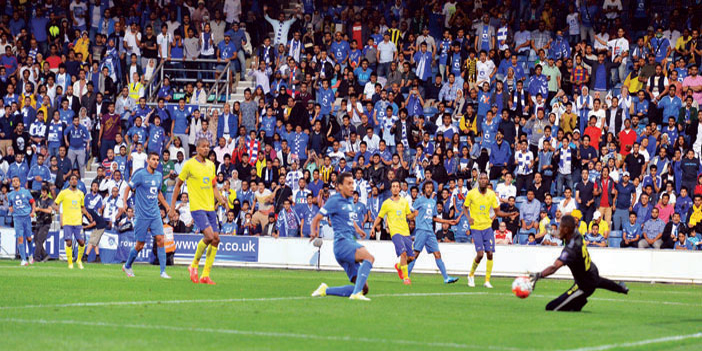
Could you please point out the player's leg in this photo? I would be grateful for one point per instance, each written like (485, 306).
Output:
(20, 236)
(611, 285)
(480, 250)
(572, 300)
(410, 266)
(80, 238)
(156, 229)
(29, 239)
(68, 237)
(399, 244)
(213, 230)
(362, 255)
(200, 220)
(489, 244)
(351, 269)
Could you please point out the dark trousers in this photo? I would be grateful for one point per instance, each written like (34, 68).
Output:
(634, 244)
(104, 146)
(495, 172)
(523, 182)
(39, 238)
(588, 212)
(575, 298)
(546, 181)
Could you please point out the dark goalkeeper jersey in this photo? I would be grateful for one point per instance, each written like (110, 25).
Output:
(577, 258)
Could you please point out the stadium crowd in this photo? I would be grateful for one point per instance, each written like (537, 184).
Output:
(588, 108)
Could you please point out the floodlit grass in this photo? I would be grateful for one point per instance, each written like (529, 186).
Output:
(48, 307)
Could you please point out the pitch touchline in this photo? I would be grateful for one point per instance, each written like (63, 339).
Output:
(640, 343)
(346, 338)
(287, 298)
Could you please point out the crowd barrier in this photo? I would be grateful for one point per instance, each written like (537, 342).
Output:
(297, 253)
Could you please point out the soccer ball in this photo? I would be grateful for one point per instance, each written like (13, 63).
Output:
(521, 287)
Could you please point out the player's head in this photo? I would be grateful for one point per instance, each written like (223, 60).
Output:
(346, 185)
(428, 189)
(483, 181)
(16, 183)
(567, 227)
(152, 161)
(203, 147)
(73, 181)
(395, 187)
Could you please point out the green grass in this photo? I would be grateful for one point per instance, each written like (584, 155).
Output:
(38, 311)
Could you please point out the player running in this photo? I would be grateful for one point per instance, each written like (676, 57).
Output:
(199, 175)
(146, 184)
(585, 273)
(397, 210)
(339, 209)
(72, 202)
(425, 213)
(479, 202)
(22, 208)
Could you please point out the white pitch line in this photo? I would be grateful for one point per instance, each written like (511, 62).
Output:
(288, 298)
(639, 343)
(345, 338)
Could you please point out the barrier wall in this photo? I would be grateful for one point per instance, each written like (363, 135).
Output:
(294, 253)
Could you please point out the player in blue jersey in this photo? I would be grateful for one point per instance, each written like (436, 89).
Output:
(340, 211)
(146, 184)
(22, 209)
(424, 208)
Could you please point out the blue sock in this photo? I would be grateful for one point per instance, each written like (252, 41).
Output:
(343, 291)
(31, 247)
(161, 252)
(22, 252)
(362, 276)
(410, 266)
(442, 268)
(132, 256)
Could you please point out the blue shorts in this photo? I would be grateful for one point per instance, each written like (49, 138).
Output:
(73, 232)
(425, 238)
(345, 254)
(204, 219)
(484, 240)
(143, 225)
(23, 227)
(403, 244)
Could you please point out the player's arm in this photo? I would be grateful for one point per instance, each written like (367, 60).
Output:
(174, 199)
(163, 202)
(125, 196)
(359, 231)
(534, 277)
(34, 207)
(314, 226)
(85, 213)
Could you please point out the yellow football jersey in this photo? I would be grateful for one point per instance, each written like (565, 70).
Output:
(397, 212)
(71, 203)
(479, 206)
(199, 179)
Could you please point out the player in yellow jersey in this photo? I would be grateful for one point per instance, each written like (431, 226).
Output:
(397, 211)
(72, 202)
(198, 174)
(478, 202)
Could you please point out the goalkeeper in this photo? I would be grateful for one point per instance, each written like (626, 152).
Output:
(585, 274)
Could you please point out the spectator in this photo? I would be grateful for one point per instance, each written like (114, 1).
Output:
(652, 232)
(502, 235)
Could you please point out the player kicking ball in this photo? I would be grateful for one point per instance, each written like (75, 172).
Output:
(585, 273)
(198, 174)
(479, 201)
(352, 256)
(425, 215)
(22, 207)
(397, 210)
(146, 184)
(72, 202)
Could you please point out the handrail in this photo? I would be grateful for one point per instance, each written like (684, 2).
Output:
(157, 71)
(215, 86)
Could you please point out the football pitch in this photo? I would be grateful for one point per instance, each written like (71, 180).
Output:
(48, 307)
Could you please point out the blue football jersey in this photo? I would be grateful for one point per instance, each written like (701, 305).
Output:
(146, 187)
(427, 212)
(342, 216)
(20, 201)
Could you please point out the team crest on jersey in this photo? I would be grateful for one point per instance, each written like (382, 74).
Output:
(399, 213)
(74, 202)
(206, 180)
(482, 208)
(153, 182)
(153, 191)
